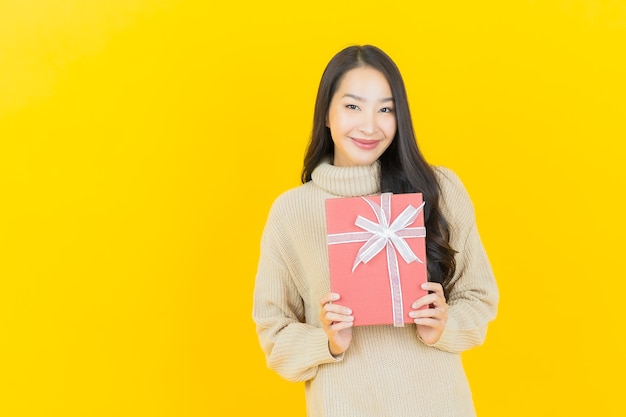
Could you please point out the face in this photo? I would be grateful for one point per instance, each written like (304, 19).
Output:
(361, 117)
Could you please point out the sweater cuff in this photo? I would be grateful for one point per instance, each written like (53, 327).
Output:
(446, 341)
(321, 349)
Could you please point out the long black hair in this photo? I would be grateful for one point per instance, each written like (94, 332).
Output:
(402, 166)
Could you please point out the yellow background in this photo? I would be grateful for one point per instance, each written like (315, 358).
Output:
(143, 141)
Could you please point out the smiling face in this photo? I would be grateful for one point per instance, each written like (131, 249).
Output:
(361, 117)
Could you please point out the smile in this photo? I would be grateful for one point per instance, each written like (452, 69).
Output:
(366, 144)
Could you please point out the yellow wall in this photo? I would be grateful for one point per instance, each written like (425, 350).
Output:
(143, 141)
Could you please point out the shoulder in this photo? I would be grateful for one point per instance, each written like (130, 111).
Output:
(447, 179)
(295, 204)
(291, 199)
(454, 199)
(295, 213)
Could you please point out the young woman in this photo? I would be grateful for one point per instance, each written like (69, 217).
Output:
(363, 144)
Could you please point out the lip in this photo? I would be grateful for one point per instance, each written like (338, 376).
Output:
(366, 144)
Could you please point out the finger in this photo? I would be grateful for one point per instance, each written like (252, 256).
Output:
(338, 318)
(435, 313)
(329, 298)
(435, 287)
(336, 308)
(341, 325)
(342, 315)
(428, 322)
(427, 300)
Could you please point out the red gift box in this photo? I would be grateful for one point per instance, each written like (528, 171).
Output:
(377, 255)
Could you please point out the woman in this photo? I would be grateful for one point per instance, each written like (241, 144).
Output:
(363, 144)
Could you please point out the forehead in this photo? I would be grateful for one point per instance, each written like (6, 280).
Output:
(365, 81)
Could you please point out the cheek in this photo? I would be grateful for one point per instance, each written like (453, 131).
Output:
(389, 127)
(338, 122)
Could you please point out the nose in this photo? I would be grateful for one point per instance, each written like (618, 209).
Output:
(367, 124)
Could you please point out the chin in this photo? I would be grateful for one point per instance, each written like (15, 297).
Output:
(364, 162)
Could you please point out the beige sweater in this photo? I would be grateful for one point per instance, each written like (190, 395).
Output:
(387, 371)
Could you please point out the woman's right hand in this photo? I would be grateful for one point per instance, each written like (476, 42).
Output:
(337, 323)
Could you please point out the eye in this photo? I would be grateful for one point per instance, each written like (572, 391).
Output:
(386, 110)
(352, 106)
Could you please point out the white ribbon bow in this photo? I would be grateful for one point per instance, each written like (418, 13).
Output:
(384, 234)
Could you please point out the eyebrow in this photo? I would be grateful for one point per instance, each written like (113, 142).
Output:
(354, 96)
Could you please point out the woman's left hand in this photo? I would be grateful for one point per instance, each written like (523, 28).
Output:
(431, 320)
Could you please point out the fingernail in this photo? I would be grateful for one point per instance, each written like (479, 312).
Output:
(348, 311)
(424, 286)
(334, 296)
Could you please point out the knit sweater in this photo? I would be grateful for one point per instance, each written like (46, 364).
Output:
(387, 371)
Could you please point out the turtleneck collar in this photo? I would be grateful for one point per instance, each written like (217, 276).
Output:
(353, 181)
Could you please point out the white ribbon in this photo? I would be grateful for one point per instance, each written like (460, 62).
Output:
(389, 236)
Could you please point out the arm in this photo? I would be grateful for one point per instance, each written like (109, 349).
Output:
(472, 302)
(293, 348)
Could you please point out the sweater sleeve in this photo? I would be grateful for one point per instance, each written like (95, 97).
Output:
(473, 300)
(293, 348)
